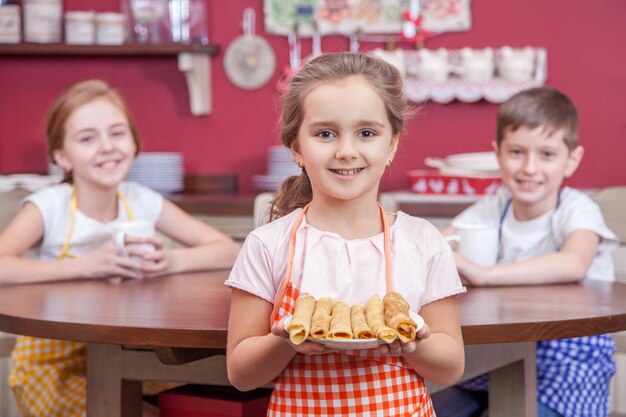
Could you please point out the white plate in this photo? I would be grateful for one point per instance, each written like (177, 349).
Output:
(352, 344)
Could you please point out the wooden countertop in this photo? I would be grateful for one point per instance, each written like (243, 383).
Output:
(191, 310)
(216, 204)
(243, 204)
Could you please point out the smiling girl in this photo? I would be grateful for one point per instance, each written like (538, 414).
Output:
(342, 119)
(64, 232)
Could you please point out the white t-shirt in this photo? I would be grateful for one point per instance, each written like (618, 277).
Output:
(521, 240)
(349, 270)
(89, 234)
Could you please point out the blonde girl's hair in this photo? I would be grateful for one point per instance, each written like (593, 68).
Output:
(384, 78)
(73, 97)
(542, 107)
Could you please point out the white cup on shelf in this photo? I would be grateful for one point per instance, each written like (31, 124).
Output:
(433, 65)
(477, 65)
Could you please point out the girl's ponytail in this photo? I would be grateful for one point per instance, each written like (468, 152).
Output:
(295, 192)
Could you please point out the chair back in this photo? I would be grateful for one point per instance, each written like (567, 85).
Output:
(612, 202)
(261, 210)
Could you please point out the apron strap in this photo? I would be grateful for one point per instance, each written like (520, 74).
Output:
(72, 221)
(70, 231)
(292, 250)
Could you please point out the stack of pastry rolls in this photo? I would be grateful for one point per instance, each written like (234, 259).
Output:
(385, 319)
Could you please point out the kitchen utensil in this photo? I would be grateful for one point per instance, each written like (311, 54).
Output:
(249, 61)
(473, 164)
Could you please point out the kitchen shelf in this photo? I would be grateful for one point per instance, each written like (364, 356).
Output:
(194, 61)
(494, 90)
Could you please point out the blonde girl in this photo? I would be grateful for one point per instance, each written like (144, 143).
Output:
(64, 232)
(342, 118)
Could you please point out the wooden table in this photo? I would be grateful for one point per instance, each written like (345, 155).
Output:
(183, 319)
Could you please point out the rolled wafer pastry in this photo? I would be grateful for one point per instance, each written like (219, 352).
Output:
(375, 316)
(360, 329)
(340, 327)
(301, 321)
(320, 322)
(397, 316)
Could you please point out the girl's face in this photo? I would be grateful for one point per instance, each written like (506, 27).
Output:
(98, 146)
(345, 139)
(534, 165)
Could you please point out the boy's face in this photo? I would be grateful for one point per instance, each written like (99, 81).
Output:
(533, 166)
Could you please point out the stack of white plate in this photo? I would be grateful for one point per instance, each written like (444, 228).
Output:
(161, 171)
(29, 182)
(280, 165)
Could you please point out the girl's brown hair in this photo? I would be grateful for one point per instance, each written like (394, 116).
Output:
(295, 192)
(72, 98)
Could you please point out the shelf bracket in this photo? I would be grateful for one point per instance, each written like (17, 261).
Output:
(197, 70)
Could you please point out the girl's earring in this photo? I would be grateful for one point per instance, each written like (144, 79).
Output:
(389, 161)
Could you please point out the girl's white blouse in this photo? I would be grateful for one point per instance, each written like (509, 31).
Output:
(89, 234)
(349, 270)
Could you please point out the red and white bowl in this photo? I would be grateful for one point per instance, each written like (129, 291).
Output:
(433, 182)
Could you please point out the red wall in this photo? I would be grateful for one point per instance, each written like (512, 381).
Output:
(586, 60)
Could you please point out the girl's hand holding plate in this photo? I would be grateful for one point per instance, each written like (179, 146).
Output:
(397, 348)
(306, 347)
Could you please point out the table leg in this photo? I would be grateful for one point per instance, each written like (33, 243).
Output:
(510, 387)
(108, 395)
(512, 377)
(114, 375)
(513, 389)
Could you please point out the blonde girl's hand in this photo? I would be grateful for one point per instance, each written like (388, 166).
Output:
(306, 347)
(106, 262)
(153, 263)
(397, 348)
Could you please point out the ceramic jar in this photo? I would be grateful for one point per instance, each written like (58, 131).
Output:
(110, 28)
(10, 23)
(43, 21)
(80, 27)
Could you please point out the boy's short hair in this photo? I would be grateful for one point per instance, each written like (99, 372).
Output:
(542, 106)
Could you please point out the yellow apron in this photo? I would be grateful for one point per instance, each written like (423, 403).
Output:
(48, 376)
(349, 382)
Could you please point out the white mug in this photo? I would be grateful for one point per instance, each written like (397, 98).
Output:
(137, 228)
(477, 242)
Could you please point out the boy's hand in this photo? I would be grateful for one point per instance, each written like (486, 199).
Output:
(471, 273)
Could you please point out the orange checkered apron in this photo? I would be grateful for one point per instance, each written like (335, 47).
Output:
(48, 376)
(349, 382)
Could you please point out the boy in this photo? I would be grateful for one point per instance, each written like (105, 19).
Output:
(548, 234)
